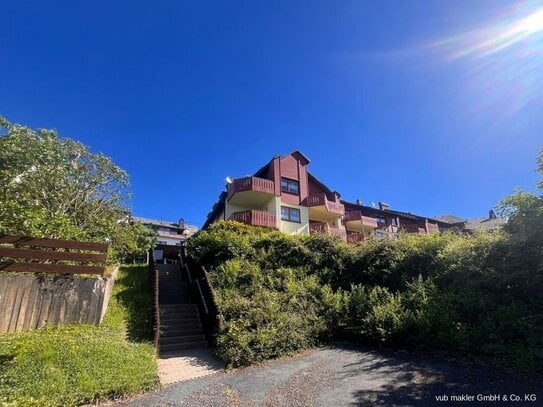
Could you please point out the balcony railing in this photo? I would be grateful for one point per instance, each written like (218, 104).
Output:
(355, 237)
(322, 200)
(255, 218)
(326, 229)
(251, 184)
(432, 228)
(357, 216)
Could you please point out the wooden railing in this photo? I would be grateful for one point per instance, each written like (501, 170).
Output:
(322, 200)
(251, 184)
(256, 218)
(357, 215)
(410, 227)
(52, 255)
(202, 291)
(155, 309)
(325, 228)
(355, 237)
(432, 228)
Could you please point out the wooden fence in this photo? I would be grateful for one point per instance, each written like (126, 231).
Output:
(42, 286)
(52, 255)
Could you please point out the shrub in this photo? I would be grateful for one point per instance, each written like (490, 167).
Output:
(270, 313)
(479, 294)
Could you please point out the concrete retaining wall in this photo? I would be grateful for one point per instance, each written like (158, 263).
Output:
(29, 301)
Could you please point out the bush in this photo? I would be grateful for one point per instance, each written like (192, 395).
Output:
(270, 313)
(477, 294)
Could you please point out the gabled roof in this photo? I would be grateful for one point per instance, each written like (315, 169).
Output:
(217, 208)
(315, 180)
(156, 222)
(408, 215)
(297, 154)
(485, 223)
(452, 219)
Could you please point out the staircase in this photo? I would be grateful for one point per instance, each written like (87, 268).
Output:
(180, 326)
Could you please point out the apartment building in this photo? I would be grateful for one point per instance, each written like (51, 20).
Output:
(170, 236)
(285, 195)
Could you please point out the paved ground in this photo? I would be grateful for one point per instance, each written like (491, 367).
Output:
(347, 376)
(188, 365)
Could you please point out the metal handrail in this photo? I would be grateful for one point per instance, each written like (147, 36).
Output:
(202, 297)
(155, 310)
(198, 277)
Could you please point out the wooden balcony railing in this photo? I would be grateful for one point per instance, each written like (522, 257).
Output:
(251, 184)
(355, 237)
(432, 228)
(325, 228)
(255, 218)
(322, 200)
(357, 216)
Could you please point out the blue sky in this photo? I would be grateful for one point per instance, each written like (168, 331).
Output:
(434, 107)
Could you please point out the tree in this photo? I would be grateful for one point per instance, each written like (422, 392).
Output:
(56, 187)
(525, 213)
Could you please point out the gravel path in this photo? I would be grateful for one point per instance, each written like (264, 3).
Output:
(348, 376)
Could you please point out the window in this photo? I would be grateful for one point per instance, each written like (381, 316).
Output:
(379, 234)
(161, 242)
(381, 219)
(290, 186)
(290, 214)
(395, 221)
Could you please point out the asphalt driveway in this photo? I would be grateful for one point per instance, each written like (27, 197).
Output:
(349, 376)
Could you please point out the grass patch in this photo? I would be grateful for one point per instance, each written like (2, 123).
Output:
(80, 363)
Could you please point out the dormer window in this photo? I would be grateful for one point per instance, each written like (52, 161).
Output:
(290, 186)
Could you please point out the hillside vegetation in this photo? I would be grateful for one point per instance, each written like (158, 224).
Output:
(81, 363)
(478, 294)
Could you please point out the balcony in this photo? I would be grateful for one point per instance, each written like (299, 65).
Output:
(432, 228)
(321, 208)
(250, 191)
(255, 218)
(326, 229)
(356, 221)
(355, 237)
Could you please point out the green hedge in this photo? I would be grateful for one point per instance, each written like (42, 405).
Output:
(479, 294)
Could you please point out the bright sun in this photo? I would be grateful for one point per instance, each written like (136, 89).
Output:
(529, 25)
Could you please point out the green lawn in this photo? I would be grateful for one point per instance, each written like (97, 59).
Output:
(81, 363)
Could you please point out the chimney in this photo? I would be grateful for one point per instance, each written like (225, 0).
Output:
(383, 206)
(182, 223)
(491, 214)
(359, 202)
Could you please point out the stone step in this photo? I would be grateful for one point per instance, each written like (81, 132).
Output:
(169, 320)
(171, 327)
(179, 307)
(197, 330)
(174, 347)
(170, 340)
(166, 301)
(171, 300)
(168, 316)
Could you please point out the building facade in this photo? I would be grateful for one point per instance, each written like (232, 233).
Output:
(285, 195)
(170, 236)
